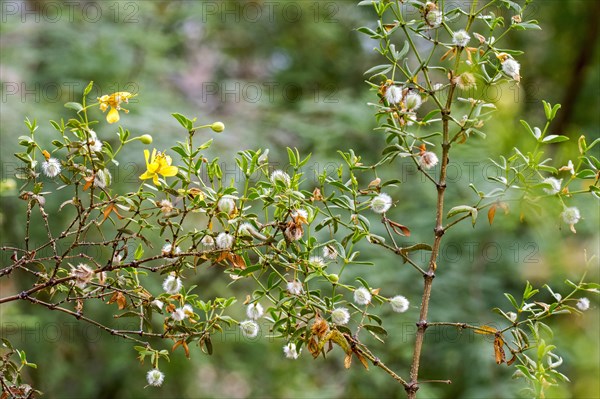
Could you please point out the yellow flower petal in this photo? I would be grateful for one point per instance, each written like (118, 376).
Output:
(147, 175)
(168, 171)
(112, 116)
(147, 156)
(155, 180)
(153, 167)
(168, 160)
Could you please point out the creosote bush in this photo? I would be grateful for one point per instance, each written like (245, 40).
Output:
(284, 231)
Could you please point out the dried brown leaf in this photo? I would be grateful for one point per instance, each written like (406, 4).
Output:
(362, 360)
(348, 361)
(499, 350)
(492, 213)
(237, 261)
(485, 330)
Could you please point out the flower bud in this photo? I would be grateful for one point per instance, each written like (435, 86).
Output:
(334, 278)
(146, 139)
(217, 127)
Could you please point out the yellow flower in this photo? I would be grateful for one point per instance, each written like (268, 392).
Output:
(114, 102)
(158, 164)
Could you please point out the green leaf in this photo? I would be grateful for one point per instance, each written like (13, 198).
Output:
(379, 70)
(88, 88)
(74, 106)
(464, 209)
(139, 252)
(369, 31)
(183, 121)
(391, 182)
(589, 147)
(292, 157)
(535, 134)
(586, 174)
(23, 157)
(547, 110)
(546, 329)
(376, 329)
(458, 209)
(554, 111)
(363, 282)
(529, 291)
(554, 138)
(417, 247)
(205, 145)
(512, 300)
(525, 372)
(527, 25)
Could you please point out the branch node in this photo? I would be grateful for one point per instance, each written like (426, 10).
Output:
(411, 387)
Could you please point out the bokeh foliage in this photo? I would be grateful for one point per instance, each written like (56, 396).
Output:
(175, 54)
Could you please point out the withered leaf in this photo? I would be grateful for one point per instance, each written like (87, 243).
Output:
(237, 261)
(499, 350)
(119, 298)
(222, 256)
(485, 330)
(348, 360)
(176, 345)
(111, 208)
(375, 183)
(512, 360)
(206, 344)
(319, 327)
(492, 214)
(341, 340)
(399, 229)
(316, 195)
(313, 347)
(389, 27)
(79, 306)
(88, 183)
(362, 360)
(170, 308)
(186, 349)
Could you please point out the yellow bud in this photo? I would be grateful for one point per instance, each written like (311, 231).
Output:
(334, 278)
(217, 127)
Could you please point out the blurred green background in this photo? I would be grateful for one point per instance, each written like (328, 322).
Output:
(290, 73)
